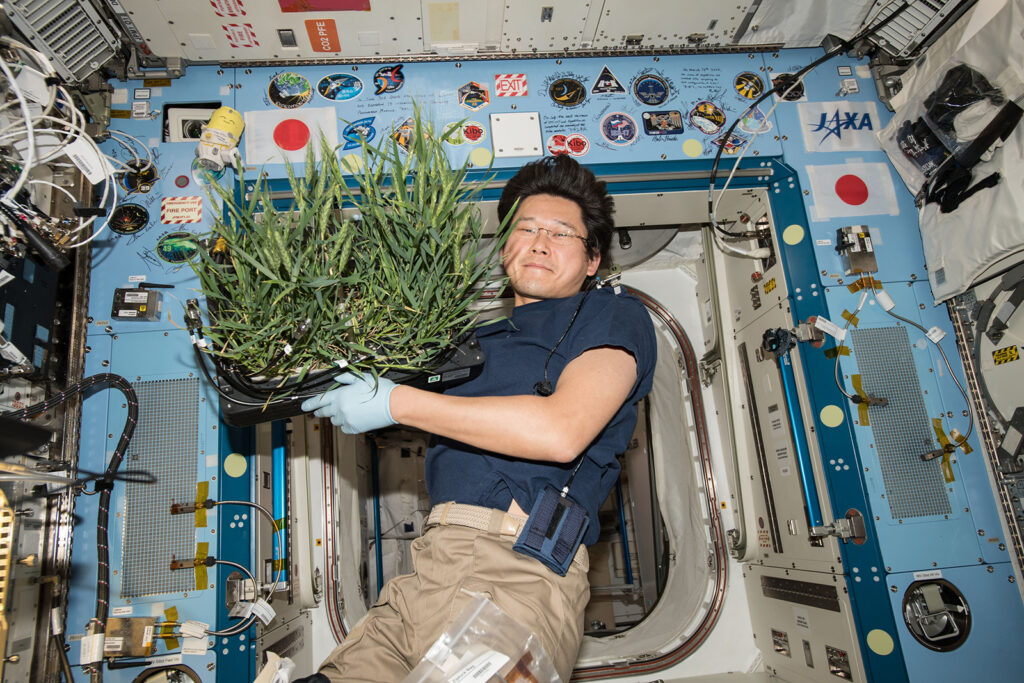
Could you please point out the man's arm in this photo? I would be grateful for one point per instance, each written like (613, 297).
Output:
(590, 390)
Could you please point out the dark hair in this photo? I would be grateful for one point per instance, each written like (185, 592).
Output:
(563, 176)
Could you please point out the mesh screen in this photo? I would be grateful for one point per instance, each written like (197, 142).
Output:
(902, 429)
(165, 444)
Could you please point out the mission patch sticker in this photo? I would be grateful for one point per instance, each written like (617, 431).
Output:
(619, 128)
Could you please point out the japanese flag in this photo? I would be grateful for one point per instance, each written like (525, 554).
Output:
(851, 189)
(273, 136)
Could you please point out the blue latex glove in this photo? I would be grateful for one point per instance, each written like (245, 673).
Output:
(357, 406)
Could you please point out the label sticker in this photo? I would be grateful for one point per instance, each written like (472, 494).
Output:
(510, 85)
(113, 645)
(33, 86)
(480, 669)
(174, 210)
(323, 35)
(829, 327)
(263, 611)
(1007, 354)
(928, 575)
(662, 122)
(194, 646)
(92, 648)
(135, 298)
(340, 87)
(823, 243)
(289, 90)
(194, 629)
(165, 660)
(147, 636)
(228, 8)
(567, 92)
(473, 96)
(651, 90)
(240, 35)
(142, 93)
(122, 611)
(803, 620)
(935, 334)
(782, 457)
(177, 247)
(388, 79)
(607, 83)
(707, 117)
(619, 128)
(358, 131)
(748, 85)
(84, 157)
(136, 278)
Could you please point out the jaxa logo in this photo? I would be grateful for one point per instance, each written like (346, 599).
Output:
(840, 121)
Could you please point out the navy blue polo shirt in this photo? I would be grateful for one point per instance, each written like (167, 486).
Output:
(515, 350)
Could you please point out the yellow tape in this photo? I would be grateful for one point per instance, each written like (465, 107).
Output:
(960, 441)
(862, 408)
(851, 317)
(202, 552)
(202, 493)
(864, 282)
(947, 469)
(837, 351)
(280, 524)
(278, 565)
(170, 614)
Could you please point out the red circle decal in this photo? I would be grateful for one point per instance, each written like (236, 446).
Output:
(291, 134)
(852, 190)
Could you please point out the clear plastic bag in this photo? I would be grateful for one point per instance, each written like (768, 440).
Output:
(484, 645)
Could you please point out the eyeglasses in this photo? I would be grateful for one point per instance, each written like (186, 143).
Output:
(556, 236)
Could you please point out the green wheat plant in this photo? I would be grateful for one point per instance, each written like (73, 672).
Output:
(387, 285)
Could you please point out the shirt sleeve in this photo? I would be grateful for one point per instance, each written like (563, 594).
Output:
(622, 321)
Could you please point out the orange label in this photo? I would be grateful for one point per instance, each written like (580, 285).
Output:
(323, 35)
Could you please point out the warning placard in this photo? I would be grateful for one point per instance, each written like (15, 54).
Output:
(174, 210)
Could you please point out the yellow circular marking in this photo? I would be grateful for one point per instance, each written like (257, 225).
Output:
(481, 156)
(693, 148)
(831, 416)
(794, 234)
(350, 163)
(235, 465)
(880, 642)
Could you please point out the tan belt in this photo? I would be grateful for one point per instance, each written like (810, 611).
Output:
(484, 519)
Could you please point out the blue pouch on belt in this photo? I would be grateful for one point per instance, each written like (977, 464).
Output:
(554, 530)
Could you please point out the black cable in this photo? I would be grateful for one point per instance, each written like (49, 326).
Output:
(105, 485)
(544, 388)
(62, 656)
(779, 88)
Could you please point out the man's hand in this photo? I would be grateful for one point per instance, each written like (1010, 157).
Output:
(358, 406)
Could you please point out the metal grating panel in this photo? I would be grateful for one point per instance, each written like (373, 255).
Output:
(915, 24)
(166, 443)
(902, 429)
(71, 34)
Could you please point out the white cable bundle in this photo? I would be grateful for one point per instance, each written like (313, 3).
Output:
(45, 132)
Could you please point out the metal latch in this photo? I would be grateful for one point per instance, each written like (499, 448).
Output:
(850, 527)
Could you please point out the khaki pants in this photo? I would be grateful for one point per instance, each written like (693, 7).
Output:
(414, 609)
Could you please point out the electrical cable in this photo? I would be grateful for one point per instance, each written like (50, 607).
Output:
(970, 414)
(99, 622)
(30, 157)
(250, 619)
(839, 348)
(544, 388)
(797, 77)
(239, 628)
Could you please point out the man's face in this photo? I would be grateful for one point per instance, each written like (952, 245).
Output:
(540, 266)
